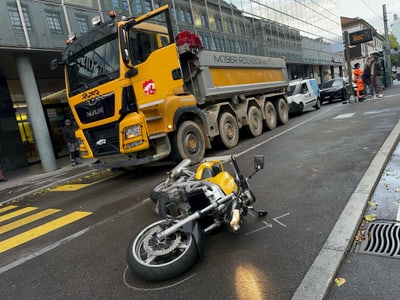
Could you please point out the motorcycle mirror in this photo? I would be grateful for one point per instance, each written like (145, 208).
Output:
(258, 162)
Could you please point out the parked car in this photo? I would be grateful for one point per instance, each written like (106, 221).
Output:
(338, 88)
(303, 94)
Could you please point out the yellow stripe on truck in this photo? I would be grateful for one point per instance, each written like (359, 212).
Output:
(230, 76)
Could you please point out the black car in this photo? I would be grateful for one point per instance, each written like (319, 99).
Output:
(338, 88)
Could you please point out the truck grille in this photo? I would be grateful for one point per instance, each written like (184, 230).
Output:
(96, 109)
(103, 140)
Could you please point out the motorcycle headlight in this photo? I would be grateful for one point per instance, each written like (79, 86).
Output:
(133, 131)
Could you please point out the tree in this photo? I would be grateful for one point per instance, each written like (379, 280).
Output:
(394, 44)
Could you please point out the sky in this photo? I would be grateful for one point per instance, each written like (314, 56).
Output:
(371, 11)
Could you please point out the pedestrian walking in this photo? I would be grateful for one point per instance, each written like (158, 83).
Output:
(357, 78)
(70, 140)
(376, 77)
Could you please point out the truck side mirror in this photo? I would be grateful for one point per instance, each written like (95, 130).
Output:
(258, 162)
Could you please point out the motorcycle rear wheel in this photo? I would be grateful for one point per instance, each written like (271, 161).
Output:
(155, 260)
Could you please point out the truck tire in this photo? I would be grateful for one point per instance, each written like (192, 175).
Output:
(188, 142)
(283, 111)
(270, 115)
(228, 130)
(255, 120)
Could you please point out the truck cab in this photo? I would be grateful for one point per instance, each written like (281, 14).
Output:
(303, 94)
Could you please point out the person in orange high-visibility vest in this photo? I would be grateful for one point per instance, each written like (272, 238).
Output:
(357, 78)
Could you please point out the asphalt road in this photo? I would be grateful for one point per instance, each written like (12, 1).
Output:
(312, 166)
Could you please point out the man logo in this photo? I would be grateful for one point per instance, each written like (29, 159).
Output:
(101, 142)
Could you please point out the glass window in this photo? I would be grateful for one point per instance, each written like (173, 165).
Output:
(15, 19)
(83, 24)
(115, 4)
(148, 6)
(54, 22)
(189, 17)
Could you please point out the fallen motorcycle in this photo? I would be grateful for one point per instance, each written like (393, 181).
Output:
(190, 204)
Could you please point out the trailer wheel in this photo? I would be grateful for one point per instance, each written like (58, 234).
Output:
(283, 111)
(255, 120)
(188, 142)
(228, 130)
(270, 115)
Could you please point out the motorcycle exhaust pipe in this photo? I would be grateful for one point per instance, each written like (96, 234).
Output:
(177, 171)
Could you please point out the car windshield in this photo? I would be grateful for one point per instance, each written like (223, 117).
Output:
(294, 89)
(332, 83)
(93, 65)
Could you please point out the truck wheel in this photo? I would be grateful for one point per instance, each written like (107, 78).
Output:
(228, 130)
(255, 120)
(189, 143)
(270, 115)
(318, 104)
(283, 111)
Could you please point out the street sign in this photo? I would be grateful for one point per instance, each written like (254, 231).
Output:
(360, 36)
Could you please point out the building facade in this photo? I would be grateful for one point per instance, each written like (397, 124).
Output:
(33, 106)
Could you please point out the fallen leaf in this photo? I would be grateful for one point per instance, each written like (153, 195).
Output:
(372, 204)
(340, 281)
(370, 217)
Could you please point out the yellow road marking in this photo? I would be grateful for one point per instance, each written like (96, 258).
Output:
(7, 208)
(70, 187)
(41, 230)
(17, 213)
(77, 186)
(27, 220)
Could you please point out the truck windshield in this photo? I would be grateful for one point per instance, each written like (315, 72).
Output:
(93, 65)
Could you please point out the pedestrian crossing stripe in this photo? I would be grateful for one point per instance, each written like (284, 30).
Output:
(17, 213)
(24, 221)
(7, 208)
(41, 230)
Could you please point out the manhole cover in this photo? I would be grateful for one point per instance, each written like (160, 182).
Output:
(381, 238)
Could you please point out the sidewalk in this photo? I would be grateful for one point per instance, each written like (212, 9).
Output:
(25, 181)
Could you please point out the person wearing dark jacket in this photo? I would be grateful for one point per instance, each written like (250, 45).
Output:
(70, 140)
(376, 77)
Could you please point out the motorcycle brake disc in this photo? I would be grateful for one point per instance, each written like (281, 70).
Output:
(158, 247)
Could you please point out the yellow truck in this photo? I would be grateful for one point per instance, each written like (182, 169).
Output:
(139, 94)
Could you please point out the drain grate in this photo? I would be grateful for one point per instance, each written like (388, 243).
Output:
(381, 238)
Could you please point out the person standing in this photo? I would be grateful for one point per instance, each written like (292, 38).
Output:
(358, 81)
(366, 77)
(70, 140)
(376, 77)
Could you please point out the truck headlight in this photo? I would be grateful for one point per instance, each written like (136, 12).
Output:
(133, 131)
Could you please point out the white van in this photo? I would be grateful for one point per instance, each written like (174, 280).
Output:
(303, 94)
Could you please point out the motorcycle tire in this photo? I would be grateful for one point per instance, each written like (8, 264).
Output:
(153, 261)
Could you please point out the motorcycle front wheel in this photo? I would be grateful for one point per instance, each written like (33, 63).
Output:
(155, 259)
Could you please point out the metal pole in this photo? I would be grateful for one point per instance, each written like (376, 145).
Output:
(388, 63)
(348, 61)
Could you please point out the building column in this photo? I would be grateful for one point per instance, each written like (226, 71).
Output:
(36, 114)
